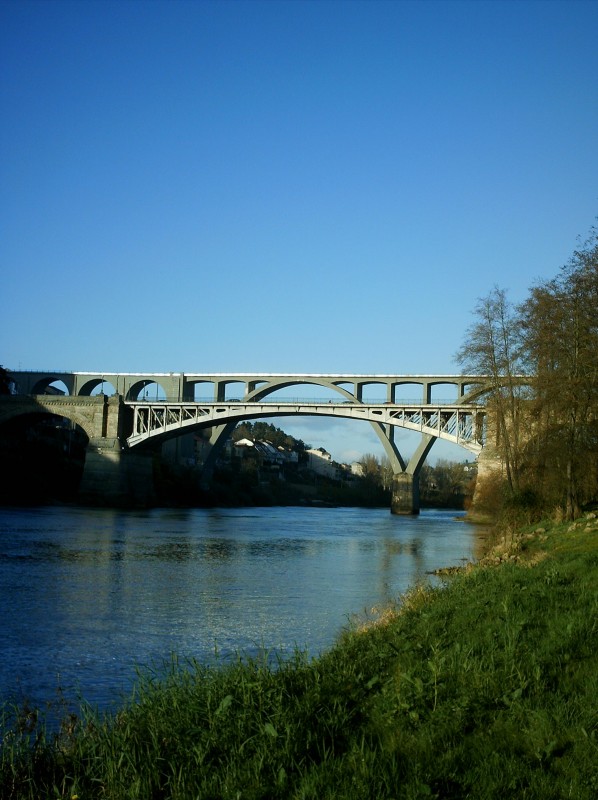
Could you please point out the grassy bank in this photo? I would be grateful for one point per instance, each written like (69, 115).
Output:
(484, 688)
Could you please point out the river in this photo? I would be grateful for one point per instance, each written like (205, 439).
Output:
(87, 595)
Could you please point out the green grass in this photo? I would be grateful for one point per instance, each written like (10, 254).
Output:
(484, 688)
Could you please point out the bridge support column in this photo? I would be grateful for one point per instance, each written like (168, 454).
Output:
(116, 477)
(218, 439)
(405, 494)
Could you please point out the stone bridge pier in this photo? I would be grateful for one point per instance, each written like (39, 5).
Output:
(116, 477)
(113, 474)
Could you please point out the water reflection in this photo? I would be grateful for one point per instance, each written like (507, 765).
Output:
(87, 595)
(173, 551)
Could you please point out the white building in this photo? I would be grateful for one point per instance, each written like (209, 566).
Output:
(320, 462)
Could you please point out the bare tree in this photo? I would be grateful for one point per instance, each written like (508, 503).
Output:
(492, 347)
(386, 473)
(371, 467)
(560, 323)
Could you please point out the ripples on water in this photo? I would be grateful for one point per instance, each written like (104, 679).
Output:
(86, 595)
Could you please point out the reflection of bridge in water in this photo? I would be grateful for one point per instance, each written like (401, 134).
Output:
(125, 415)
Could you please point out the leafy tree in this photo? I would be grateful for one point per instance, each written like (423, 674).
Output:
(264, 431)
(386, 473)
(445, 484)
(371, 467)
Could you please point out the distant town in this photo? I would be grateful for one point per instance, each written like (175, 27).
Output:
(263, 461)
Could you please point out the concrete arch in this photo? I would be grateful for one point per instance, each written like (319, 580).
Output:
(87, 388)
(11, 409)
(44, 386)
(85, 417)
(362, 385)
(35, 382)
(477, 392)
(453, 423)
(154, 421)
(135, 388)
(266, 389)
(46, 454)
(222, 386)
(40, 413)
(46, 405)
(192, 386)
(398, 391)
(434, 385)
(384, 434)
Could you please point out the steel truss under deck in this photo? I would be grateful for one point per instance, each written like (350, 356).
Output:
(461, 424)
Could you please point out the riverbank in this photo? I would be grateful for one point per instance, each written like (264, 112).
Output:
(485, 687)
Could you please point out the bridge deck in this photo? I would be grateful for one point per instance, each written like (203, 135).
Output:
(461, 424)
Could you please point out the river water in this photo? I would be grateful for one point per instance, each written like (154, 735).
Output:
(86, 596)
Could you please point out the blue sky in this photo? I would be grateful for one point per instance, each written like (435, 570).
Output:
(285, 186)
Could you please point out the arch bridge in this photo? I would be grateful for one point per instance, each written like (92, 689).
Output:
(128, 413)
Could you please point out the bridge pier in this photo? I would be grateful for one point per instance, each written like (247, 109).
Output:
(116, 477)
(405, 494)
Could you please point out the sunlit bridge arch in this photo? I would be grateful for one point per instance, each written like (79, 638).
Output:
(458, 424)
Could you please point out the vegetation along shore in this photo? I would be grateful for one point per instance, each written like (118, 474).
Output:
(485, 686)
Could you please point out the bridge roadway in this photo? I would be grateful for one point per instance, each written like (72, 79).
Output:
(119, 425)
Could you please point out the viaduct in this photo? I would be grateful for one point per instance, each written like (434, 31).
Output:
(128, 416)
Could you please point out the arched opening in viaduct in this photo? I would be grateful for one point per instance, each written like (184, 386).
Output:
(45, 454)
